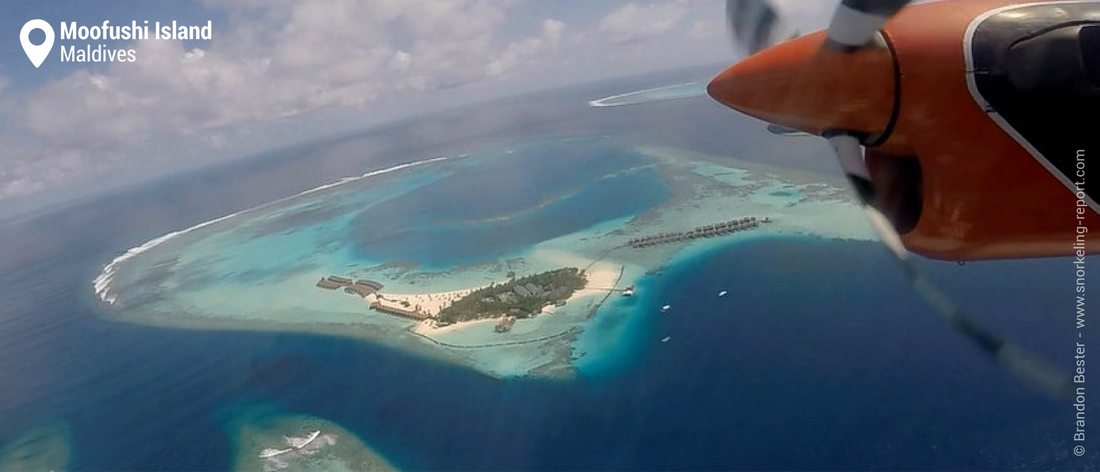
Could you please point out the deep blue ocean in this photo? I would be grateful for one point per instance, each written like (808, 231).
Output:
(819, 358)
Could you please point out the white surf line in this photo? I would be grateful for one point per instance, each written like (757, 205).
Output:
(603, 102)
(102, 283)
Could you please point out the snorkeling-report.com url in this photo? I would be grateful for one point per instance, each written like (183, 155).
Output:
(1080, 274)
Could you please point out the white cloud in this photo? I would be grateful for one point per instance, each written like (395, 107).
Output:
(528, 50)
(552, 30)
(272, 60)
(275, 65)
(703, 30)
(635, 22)
(806, 16)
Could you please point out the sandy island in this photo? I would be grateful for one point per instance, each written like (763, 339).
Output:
(269, 440)
(601, 279)
(233, 273)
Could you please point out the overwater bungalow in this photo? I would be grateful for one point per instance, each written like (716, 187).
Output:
(340, 280)
(369, 283)
(361, 290)
(706, 231)
(328, 284)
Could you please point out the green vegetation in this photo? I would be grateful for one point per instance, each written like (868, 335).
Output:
(521, 298)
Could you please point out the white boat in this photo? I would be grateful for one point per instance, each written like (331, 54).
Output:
(666, 339)
(722, 293)
(665, 308)
(629, 291)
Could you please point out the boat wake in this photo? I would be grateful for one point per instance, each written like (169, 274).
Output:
(668, 92)
(102, 283)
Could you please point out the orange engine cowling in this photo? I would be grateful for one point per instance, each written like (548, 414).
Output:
(957, 180)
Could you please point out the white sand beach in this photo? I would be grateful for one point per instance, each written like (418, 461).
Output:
(428, 303)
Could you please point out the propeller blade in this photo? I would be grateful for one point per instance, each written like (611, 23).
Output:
(756, 24)
(1027, 366)
(855, 22)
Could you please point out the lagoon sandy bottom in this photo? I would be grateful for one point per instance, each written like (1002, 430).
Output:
(256, 270)
(47, 446)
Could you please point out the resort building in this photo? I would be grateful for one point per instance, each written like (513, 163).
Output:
(708, 231)
(398, 311)
(361, 287)
(327, 284)
(361, 290)
(369, 283)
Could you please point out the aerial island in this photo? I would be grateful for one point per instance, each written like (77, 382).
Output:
(548, 276)
(515, 299)
(269, 439)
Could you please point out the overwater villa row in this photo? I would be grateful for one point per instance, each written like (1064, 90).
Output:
(709, 231)
(365, 288)
(361, 287)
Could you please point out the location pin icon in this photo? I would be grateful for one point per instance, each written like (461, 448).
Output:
(36, 52)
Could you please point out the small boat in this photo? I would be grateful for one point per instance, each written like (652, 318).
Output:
(665, 308)
(722, 293)
(666, 339)
(629, 291)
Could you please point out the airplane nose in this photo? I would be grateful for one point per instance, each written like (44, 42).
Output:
(804, 85)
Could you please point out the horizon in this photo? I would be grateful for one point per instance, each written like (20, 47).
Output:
(272, 77)
(12, 211)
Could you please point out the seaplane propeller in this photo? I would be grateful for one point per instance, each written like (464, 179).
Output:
(856, 24)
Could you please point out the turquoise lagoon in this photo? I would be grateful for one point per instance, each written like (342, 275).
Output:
(445, 224)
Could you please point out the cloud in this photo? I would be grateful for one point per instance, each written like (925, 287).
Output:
(806, 16)
(273, 60)
(703, 30)
(278, 71)
(530, 49)
(635, 22)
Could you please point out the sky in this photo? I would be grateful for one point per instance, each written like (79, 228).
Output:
(279, 72)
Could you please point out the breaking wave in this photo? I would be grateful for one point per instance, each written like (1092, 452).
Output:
(102, 283)
(668, 92)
